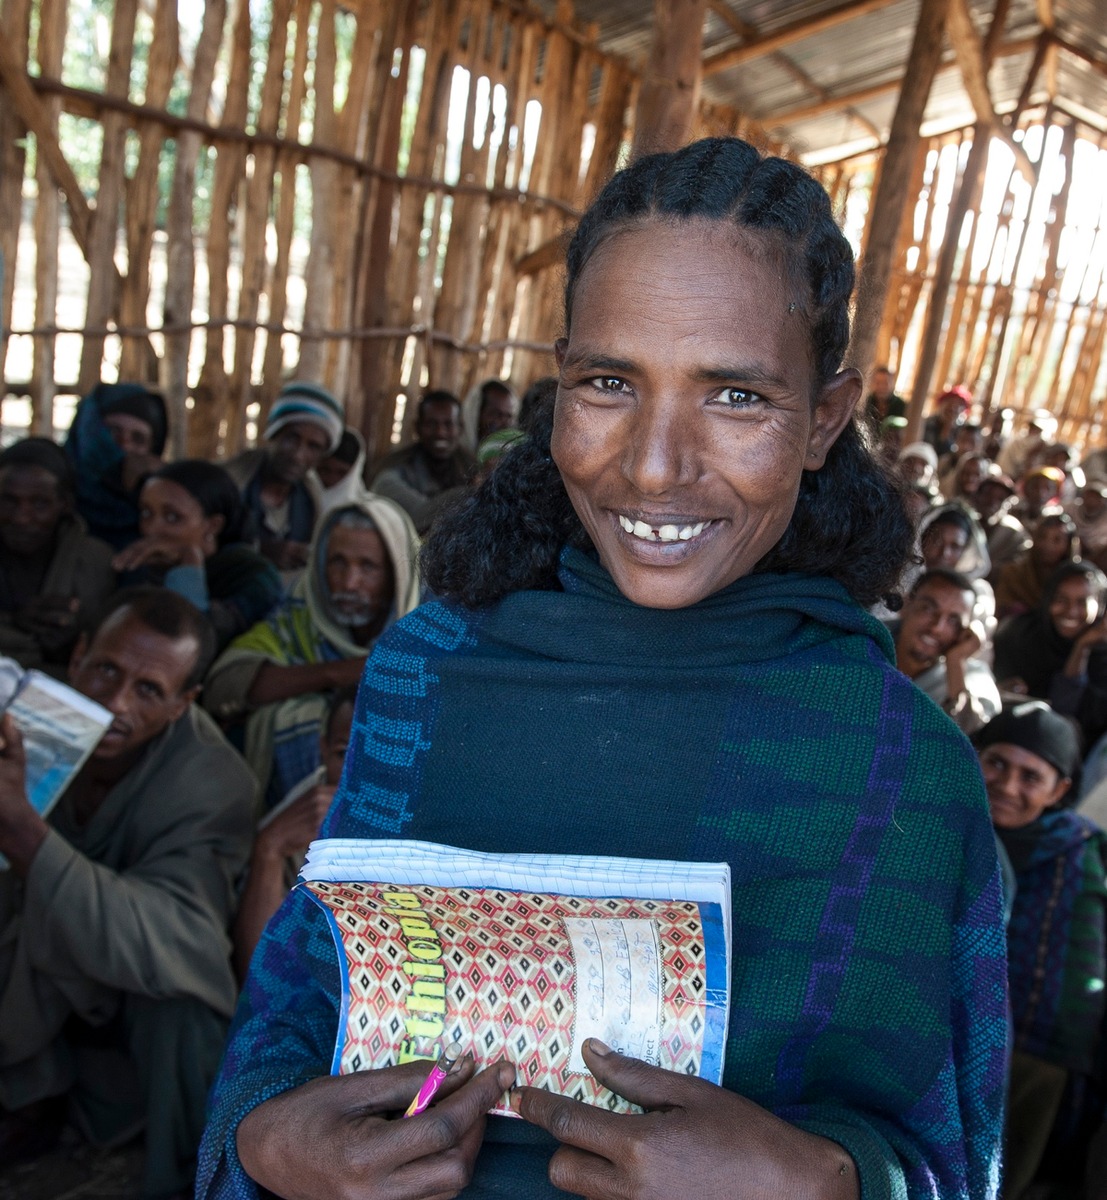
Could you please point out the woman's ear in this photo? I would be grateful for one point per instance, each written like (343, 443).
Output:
(214, 525)
(834, 407)
(1060, 790)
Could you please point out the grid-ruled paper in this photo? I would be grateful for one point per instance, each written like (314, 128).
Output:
(401, 861)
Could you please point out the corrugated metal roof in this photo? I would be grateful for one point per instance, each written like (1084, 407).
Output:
(855, 65)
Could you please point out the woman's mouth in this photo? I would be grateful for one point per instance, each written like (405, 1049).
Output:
(669, 531)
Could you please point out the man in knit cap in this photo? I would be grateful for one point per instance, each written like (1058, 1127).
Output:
(277, 481)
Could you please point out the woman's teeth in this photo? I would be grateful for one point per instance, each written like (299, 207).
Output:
(664, 533)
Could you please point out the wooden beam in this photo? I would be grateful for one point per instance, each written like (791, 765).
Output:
(891, 191)
(549, 254)
(969, 51)
(809, 112)
(85, 103)
(668, 96)
(1097, 64)
(796, 31)
(1036, 64)
(33, 113)
(995, 30)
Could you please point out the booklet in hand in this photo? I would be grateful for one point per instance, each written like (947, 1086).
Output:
(60, 729)
(525, 957)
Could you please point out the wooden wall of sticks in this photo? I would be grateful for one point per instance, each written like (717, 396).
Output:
(376, 195)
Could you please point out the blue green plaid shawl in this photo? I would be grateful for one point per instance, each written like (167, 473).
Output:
(766, 726)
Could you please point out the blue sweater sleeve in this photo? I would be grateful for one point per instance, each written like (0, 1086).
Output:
(283, 1036)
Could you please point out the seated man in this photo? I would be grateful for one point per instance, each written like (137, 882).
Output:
(362, 576)
(52, 574)
(950, 410)
(285, 833)
(882, 401)
(490, 407)
(424, 476)
(115, 977)
(935, 644)
(277, 481)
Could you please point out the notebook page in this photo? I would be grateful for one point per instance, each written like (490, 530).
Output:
(397, 860)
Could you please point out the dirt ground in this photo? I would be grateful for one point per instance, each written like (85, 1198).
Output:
(73, 1170)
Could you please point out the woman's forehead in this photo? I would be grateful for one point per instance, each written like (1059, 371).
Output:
(700, 238)
(690, 288)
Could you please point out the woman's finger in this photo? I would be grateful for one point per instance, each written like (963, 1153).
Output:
(587, 1174)
(570, 1121)
(443, 1174)
(446, 1121)
(390, 1089)
(637, 1081)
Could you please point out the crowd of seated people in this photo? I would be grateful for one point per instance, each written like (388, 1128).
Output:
(224, 614)
(1003, 625)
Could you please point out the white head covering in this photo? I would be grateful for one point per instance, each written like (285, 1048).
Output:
(923, 450)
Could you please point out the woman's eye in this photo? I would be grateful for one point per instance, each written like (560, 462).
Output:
(738, 397)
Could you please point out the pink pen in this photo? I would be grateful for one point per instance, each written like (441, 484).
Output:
(445, 1064)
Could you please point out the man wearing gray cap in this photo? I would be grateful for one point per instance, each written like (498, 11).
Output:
(277, 482)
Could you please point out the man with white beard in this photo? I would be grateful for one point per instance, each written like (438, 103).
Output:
(274, 680)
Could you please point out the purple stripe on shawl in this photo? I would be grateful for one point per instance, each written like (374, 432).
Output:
(838, 924)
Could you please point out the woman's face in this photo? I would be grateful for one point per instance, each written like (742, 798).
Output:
(1074, 606)
(687, 407)
(1021, 785)
(1051, 544)
(167, 510)
(943, 544)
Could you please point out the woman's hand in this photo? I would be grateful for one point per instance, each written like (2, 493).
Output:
(695, 1139)
(160, 552)
(333, 1137)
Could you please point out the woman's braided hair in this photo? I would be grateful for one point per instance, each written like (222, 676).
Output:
(849, 523)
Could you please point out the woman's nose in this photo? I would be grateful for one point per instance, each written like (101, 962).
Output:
(662, 450)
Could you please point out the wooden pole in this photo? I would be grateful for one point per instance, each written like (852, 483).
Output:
(891, 192)
(53, 19)
(967, 195)
(180, 280)
(669, 95)
(104, 282)
(15, 26)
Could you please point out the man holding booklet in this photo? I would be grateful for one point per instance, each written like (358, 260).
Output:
(115, 984)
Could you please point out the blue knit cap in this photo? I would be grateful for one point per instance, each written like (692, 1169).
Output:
(300, 401)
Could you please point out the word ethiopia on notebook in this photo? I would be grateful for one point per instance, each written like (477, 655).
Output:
(525, 956)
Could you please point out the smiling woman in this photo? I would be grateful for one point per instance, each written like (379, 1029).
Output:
(652, 643)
